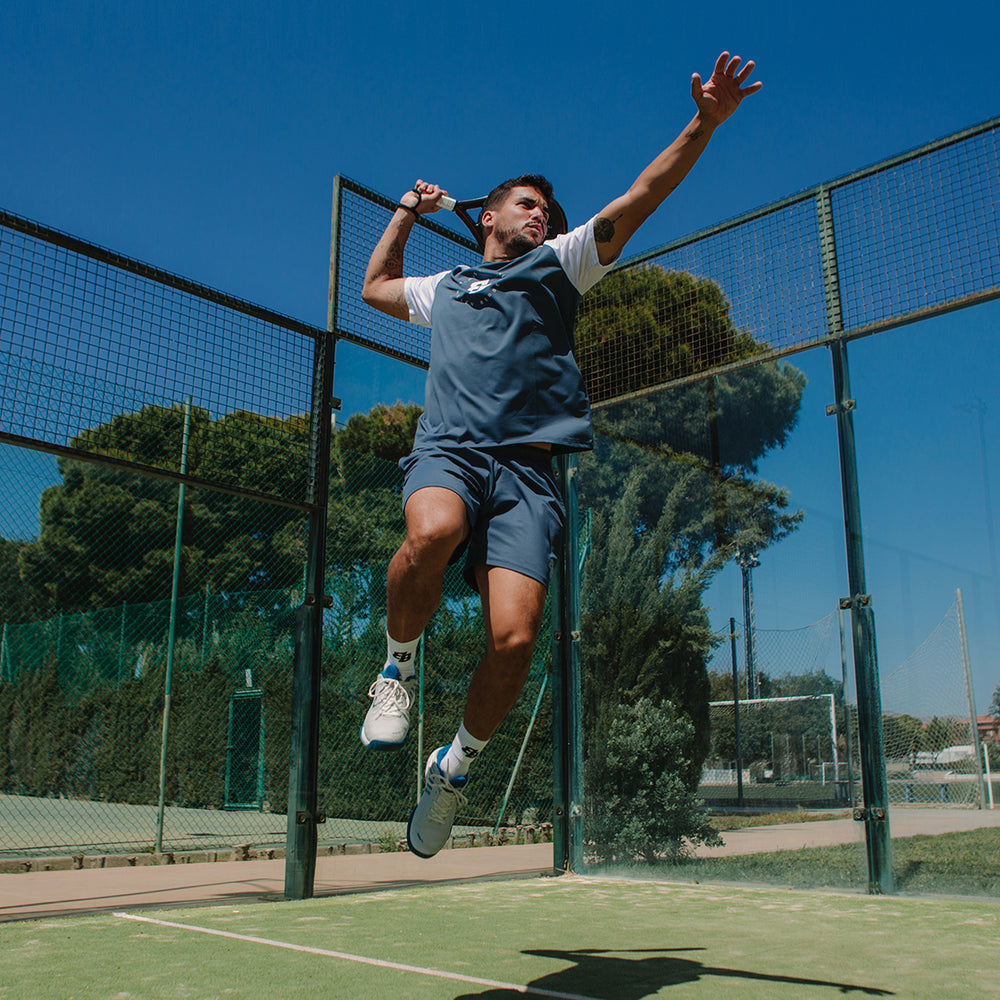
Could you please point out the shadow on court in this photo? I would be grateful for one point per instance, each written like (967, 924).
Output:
(603, 975)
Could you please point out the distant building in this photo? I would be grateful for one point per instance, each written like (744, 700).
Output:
(989, 728)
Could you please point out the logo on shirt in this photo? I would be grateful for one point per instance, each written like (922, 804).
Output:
(478, 291)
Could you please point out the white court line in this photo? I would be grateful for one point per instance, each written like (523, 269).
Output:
(379, 963)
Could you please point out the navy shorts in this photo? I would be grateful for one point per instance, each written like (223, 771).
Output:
(514, 505)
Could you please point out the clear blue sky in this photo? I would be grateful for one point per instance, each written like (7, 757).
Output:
(203, 138)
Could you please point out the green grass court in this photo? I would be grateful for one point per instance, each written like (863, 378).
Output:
(571, 937)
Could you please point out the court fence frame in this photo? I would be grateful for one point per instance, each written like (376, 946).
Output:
(68, 368)
(858, 274)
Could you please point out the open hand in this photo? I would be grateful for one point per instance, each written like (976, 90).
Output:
(721, 96)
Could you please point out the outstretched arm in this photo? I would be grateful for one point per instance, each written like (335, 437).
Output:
(383, 287)
(715, 101)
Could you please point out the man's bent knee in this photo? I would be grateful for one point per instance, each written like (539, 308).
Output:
(436, 523)
(514, 645)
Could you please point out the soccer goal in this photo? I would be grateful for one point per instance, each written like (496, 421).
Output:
(783, 749)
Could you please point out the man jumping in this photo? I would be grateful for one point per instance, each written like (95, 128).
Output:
(503, 395)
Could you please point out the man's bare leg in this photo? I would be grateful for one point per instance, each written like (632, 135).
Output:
(513, 605)
(512, 609)
(436, 524)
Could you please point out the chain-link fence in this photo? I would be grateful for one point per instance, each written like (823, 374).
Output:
(932, 748)
(82, 692)
(154, 545)
(780, 731)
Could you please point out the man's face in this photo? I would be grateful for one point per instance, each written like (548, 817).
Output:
(521, 222)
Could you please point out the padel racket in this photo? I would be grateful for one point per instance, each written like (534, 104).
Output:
(557, 217)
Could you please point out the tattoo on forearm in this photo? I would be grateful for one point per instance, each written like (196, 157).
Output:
(604, 229)
(695, 134)
(394, 259)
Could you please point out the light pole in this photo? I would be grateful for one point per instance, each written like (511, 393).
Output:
(746, 559)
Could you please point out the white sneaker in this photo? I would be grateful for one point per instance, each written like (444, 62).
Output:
(432, 819)
(388, 720)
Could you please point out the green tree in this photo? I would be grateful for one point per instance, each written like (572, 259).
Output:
(673, 486)
(384, 431)
(644, 808)
(107, 534)
(365, 521)
(645, 326)
(19, 601)
(645, 636)
(903, 736)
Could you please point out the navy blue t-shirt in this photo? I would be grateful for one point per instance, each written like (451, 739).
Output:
(502, 369)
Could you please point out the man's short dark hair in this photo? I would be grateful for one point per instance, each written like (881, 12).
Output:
(499, 194)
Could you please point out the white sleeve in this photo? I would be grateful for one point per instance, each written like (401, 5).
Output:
(577, 252)
(419, 295)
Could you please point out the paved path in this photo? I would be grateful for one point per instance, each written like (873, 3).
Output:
(37, 895)
(34, 895)
(903, 822)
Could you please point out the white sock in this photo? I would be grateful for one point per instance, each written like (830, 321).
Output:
(465, 748)
(402, 655)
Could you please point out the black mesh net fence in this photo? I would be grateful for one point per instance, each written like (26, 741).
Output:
(93, 346)
(85, 653)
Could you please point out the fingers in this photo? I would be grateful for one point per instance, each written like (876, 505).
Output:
(696, 88)
(745, 72)
(430, 195)
(729, 69)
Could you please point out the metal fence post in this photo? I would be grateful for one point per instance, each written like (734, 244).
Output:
(172, 632)
(874, 785)
(304, 814)
(567, 784)
(875, 811)
(736, 712)
(966, 663)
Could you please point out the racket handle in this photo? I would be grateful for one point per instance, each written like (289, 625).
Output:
(446, 203)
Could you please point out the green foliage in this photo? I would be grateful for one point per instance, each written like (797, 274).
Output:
(698, 453)
(385, 431)
(646, 637)
(646, 326)
(18, 600)
(671, 484)
(642, 807)
(107, 535)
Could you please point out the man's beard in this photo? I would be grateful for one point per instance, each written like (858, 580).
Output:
(516, 242)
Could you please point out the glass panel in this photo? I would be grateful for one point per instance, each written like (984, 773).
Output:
(713, 501)
(926, 429)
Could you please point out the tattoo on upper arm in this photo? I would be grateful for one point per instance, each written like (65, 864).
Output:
(604, 229)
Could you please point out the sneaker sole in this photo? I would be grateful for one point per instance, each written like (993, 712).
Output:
(382, 744)
(409, 843)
